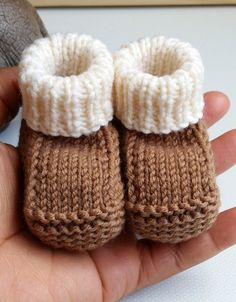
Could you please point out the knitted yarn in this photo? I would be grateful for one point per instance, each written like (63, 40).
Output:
(73, 193)
(73, 190)
(158, 85)
(66, 83)
(172, 195)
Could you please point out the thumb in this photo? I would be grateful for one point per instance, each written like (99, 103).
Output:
(9, 94)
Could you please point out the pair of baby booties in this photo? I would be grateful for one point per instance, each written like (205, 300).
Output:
(75, 195)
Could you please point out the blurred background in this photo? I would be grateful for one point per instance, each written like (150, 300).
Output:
(212, 30)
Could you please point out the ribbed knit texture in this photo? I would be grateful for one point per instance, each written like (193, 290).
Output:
(73, 189)
(172, 195)
(158, 85)
(66, 83)
(73, 193)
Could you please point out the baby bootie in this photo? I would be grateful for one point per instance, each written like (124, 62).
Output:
(172, 193)
(73, 194)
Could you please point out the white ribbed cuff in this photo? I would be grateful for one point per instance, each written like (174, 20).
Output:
(158, 85)
(66, 84)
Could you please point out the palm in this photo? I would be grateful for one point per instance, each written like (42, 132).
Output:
(29, 269)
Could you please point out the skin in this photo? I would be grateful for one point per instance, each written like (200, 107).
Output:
(20, 25)
(30, 271)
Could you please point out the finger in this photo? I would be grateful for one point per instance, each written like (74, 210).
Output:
(9, 94)
(216, 106)
(160, 261)
(5, 115)
(9, 188)
(224, 149)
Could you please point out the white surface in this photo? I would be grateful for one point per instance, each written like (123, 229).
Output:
(212, 31)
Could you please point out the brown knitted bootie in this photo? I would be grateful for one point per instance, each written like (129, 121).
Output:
(172, 193)
(73, 195)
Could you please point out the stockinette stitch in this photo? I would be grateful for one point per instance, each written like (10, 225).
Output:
(172, 195)
(73, 194)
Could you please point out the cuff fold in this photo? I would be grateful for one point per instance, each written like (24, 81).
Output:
(66, 84)
(158, 85)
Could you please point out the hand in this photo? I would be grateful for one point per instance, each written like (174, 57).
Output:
(30, 271)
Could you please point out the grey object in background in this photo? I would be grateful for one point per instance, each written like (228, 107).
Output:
(20, 25)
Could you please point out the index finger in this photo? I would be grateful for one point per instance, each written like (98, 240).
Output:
(9, 94)
(216, 106)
